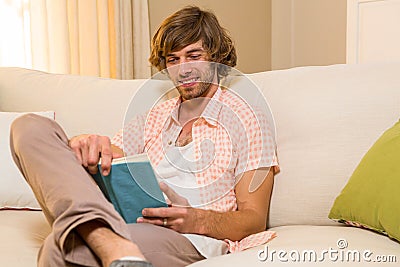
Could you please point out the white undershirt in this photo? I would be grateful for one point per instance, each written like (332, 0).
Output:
(177, 170)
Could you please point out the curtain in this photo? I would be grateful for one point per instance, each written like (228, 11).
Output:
(106, 38)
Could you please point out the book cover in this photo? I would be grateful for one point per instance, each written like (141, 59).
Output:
(131, 186)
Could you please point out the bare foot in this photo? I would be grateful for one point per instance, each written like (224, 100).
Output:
(106, 244)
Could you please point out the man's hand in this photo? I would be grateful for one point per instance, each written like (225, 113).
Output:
(89, 148)
(179, 216)
(182, 220)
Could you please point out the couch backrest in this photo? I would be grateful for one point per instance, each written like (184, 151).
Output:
(82, 104)
(326, 118)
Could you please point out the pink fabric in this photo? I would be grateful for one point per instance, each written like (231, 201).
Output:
(250, 241)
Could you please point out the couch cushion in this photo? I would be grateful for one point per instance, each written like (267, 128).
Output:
(22, 234)
(371, 198)
(331, 244)
(14, 192)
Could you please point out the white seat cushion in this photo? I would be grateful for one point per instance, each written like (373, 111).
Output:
(22, 234)
(304, 239)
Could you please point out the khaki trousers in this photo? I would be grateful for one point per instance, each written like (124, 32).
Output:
(69, 197)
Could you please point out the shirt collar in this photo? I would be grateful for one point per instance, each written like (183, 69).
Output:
(213, 108)
(209, 114)
(174, 113)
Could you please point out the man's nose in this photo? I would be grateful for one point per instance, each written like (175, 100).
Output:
(185, 68)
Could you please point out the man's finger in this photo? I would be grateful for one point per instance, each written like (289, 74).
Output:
(78, 154)
(84, 151)
(93, 169)
(93, 150)
(174, 197)
(158, 212)
(93, 153)
(106, 155)
(155, 221)
(171, 194)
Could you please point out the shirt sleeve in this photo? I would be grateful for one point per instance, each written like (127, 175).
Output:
(257, 146)
(131, 137)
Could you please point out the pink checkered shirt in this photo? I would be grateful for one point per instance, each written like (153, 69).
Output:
(229, 138)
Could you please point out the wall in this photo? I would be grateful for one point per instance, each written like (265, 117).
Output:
(249, 23)
(274, 34)
(308, 32)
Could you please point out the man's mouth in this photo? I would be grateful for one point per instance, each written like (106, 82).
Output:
(188, 82)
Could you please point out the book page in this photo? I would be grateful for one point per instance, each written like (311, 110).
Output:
(133, 158)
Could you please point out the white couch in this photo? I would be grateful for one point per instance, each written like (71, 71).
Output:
(326, 120)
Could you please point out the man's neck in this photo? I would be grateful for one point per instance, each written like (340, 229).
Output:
(193, 108)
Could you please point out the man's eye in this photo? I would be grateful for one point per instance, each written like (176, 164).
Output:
(171, 60)
(195, 56)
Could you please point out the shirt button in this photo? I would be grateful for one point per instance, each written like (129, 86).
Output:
(170, 143)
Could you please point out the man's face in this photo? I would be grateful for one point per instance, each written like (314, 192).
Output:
(191, 71)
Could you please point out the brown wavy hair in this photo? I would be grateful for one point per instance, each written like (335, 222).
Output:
(190, 25)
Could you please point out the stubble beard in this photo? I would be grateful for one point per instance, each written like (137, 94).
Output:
(200, 88)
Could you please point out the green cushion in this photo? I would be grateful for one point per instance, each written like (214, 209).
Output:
(371, 198)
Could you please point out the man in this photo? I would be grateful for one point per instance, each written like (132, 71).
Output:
(219, 132)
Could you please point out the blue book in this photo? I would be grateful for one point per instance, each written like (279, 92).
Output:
(131, 186)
